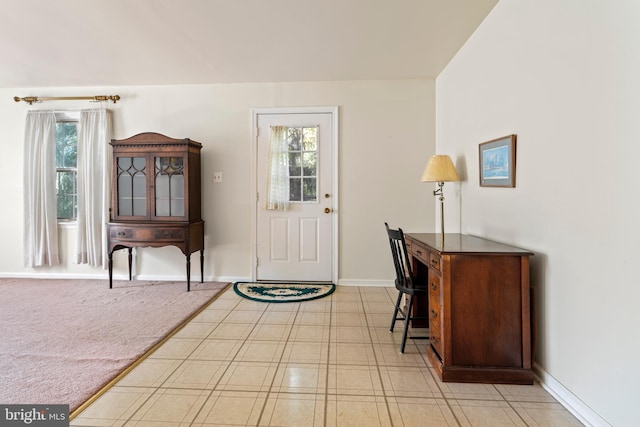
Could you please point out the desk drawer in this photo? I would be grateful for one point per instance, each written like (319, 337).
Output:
(420, 252)
(435, 312)
(434, 261)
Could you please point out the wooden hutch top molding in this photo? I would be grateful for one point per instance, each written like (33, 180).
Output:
(151, 139)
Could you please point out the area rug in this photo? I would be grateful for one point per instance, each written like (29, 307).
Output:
(62, 340)
(283, 292)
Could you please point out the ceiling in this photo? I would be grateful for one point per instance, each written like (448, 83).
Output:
(47, 43)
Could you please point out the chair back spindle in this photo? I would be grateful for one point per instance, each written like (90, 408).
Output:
(404, 275)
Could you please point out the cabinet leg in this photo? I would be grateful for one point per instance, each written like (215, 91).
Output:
(130, 261)
(111, 270)
(202, 266)
(188, 272)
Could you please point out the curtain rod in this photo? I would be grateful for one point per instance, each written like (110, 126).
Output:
(31, 99)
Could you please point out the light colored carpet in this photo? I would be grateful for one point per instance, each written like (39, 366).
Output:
(62, 340)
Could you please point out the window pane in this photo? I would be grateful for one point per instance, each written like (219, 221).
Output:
(309, 161)
(66, 144)
(294, 139)
(66, 194)
(309, 189)
(66, 169)
(295, 189)
(309, 139)
(295, 164)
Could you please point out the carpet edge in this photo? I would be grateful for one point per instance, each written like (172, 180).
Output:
(77, 411)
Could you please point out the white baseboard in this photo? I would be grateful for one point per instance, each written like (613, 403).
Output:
(177, 278)
(125, 276)
(96, 276)
(577, 407)
(352, 282)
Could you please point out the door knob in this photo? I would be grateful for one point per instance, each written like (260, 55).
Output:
(327, 210)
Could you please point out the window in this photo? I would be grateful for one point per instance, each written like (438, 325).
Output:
(67, 165)
(303, 163)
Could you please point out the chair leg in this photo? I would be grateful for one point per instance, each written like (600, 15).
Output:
(395, 312)
(406, 324)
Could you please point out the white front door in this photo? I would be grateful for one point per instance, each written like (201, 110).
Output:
(296, 244)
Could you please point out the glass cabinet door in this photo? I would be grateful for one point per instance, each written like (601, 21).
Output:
(132, 186)
(169, 187)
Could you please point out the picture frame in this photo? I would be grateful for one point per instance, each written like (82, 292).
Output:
(498, 162)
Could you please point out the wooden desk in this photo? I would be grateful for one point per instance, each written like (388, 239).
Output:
(479, 307)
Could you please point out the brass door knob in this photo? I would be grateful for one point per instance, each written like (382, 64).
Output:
(327, 210)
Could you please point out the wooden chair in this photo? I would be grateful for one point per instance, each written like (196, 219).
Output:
(405, 283)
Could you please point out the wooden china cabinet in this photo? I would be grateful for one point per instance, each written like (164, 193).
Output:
(156, 197)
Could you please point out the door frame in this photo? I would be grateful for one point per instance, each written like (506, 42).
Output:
(255, 112)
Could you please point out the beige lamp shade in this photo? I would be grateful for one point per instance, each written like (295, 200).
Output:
(440, 169)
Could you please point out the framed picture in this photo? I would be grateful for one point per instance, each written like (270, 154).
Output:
(498, 162)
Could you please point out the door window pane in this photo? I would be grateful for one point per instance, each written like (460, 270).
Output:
(309, 161)
(303, 164)
(308, 189)
(295, 164)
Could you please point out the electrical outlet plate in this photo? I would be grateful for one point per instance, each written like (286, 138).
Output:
(217, 177)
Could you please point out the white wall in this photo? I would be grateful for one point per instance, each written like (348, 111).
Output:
(386, 135)
(563, 75)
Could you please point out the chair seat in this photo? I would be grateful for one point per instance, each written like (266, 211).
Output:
(410, 288)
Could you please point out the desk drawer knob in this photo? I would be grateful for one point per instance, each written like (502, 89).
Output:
(121, 234)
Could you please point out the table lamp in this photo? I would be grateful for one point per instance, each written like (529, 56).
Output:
(440, 169)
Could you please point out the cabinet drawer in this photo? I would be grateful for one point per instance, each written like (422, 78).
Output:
(146, 234)
(420, 252)
(169, 234)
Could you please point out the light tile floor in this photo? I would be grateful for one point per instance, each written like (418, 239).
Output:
(327, 362)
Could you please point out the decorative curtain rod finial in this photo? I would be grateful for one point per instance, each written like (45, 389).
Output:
(114, 98)
(28, 99)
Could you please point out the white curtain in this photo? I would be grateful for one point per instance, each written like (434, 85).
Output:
(40, 206)
(278, 170)
(94, 186)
